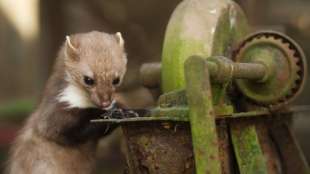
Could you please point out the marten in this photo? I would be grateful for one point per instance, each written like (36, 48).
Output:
(58, 137)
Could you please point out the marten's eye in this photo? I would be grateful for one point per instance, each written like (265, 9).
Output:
(89, 81)
(116, 81)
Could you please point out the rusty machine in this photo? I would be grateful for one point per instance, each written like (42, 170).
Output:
(226, 95)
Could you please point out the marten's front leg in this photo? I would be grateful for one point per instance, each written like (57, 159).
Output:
(85, 130)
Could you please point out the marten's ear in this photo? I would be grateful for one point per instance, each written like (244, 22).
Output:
(71, 51)
(119, 39)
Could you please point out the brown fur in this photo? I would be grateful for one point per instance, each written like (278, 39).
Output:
(104, 63)
(60, 140)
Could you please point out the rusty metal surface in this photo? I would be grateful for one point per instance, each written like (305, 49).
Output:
(228, 162)
(181, 114)
(220, 71)
(251, 71)
(165, 148)
(268, 147)
(159, 148)
(162, 147)
(202, 116)
(286, 68)
(174, 98)
(223, 69)
(292, 158)
(247, 149)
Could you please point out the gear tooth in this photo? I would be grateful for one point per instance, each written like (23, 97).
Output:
(294, 54)
(264, 37)
(295, 58)
(288, 46)
(298, 63)
(292, 91)
(298, 78)
(297, 70)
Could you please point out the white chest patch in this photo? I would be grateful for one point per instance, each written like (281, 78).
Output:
(75, 97)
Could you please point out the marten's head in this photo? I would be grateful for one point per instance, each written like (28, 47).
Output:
(95, 64)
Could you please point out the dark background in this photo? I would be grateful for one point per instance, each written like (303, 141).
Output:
(31, 32)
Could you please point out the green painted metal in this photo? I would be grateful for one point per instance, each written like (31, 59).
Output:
(285, 63)
(202, 117)
(247, 149)
(173, 98)
(198, 27)
(271, 91)
(178, 98)
(181, 114)
(204, 28)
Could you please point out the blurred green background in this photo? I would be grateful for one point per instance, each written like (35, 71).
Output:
(31, 32)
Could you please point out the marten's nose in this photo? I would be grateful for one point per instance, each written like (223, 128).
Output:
(106, 104)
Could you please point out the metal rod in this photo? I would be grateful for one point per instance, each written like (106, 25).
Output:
(251, 71)
(212, 68)
(220, 70)
(223, 70)
(181, 114)
(150, 74)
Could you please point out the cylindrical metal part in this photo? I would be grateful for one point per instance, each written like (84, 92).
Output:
(150, 74)
(222, 70)
(212, 67)
(251, 71)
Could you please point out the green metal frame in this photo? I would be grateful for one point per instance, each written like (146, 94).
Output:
(200, 30)
(215, 26)
(202, 117)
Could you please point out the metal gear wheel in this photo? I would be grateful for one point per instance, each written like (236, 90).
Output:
(285, 63)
